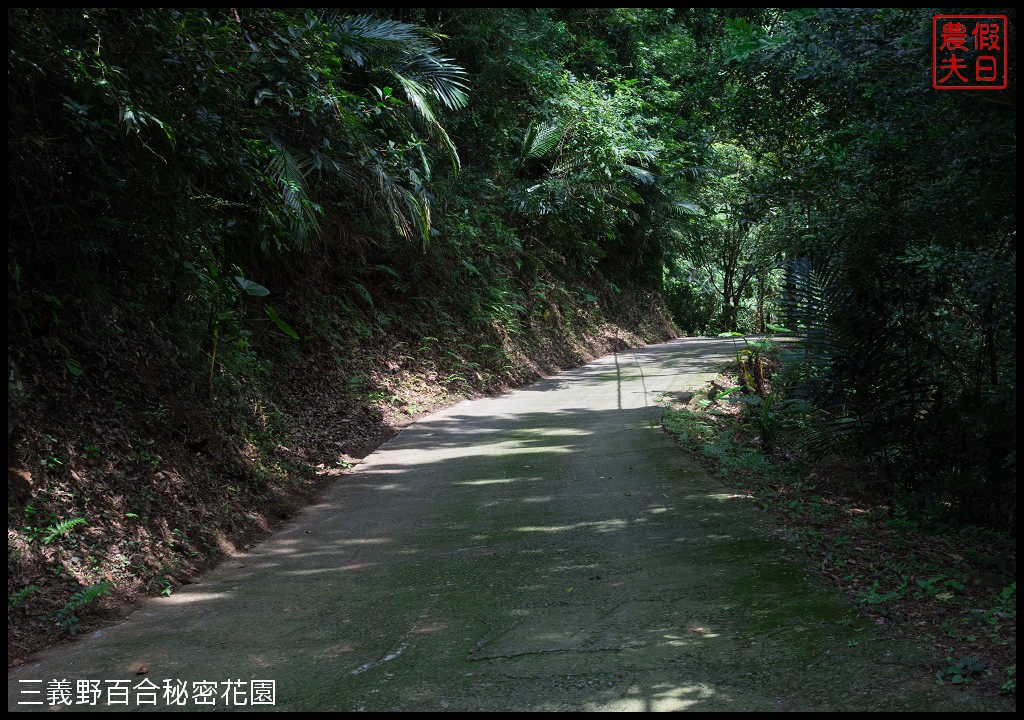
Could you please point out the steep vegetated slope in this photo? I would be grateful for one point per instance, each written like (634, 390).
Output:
(245, 248)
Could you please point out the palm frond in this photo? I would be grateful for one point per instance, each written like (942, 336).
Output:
(693, 173)
(644, 176)
(622, 193)
(417, 209)
(541, 139)
(418, 95)
(407, 53)
(568, 165)
(866, 373)
(683, 208)
(358, 35)
(407, 209)
(444, 79)
(288, 170)
(812, 294)
(450, 146)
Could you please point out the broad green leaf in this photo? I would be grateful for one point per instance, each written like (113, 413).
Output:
(281, 324)
(74, 367)
(252, 288)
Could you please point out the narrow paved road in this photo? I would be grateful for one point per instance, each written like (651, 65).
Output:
(549, 549)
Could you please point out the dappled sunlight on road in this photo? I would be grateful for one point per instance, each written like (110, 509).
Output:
(343, 568)
(662, 697)
(502, 481)
(597, 526)
(548, 549)
(189, 597)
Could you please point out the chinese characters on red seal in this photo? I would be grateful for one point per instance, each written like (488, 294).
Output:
(969, 52)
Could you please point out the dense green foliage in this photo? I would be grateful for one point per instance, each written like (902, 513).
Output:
(472, 166)
(184, 152)
(903, 209)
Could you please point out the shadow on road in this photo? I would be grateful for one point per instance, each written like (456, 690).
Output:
(546, 550)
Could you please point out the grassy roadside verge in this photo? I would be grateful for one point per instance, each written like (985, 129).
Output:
(953, 590)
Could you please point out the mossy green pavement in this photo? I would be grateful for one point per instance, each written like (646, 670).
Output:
(548, 549)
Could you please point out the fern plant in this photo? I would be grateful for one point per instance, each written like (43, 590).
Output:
(67, 615)
(61, 529)
(19, 597)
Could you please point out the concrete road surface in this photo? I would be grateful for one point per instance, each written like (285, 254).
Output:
(548, 549)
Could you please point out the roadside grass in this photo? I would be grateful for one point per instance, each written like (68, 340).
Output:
(954, 591)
